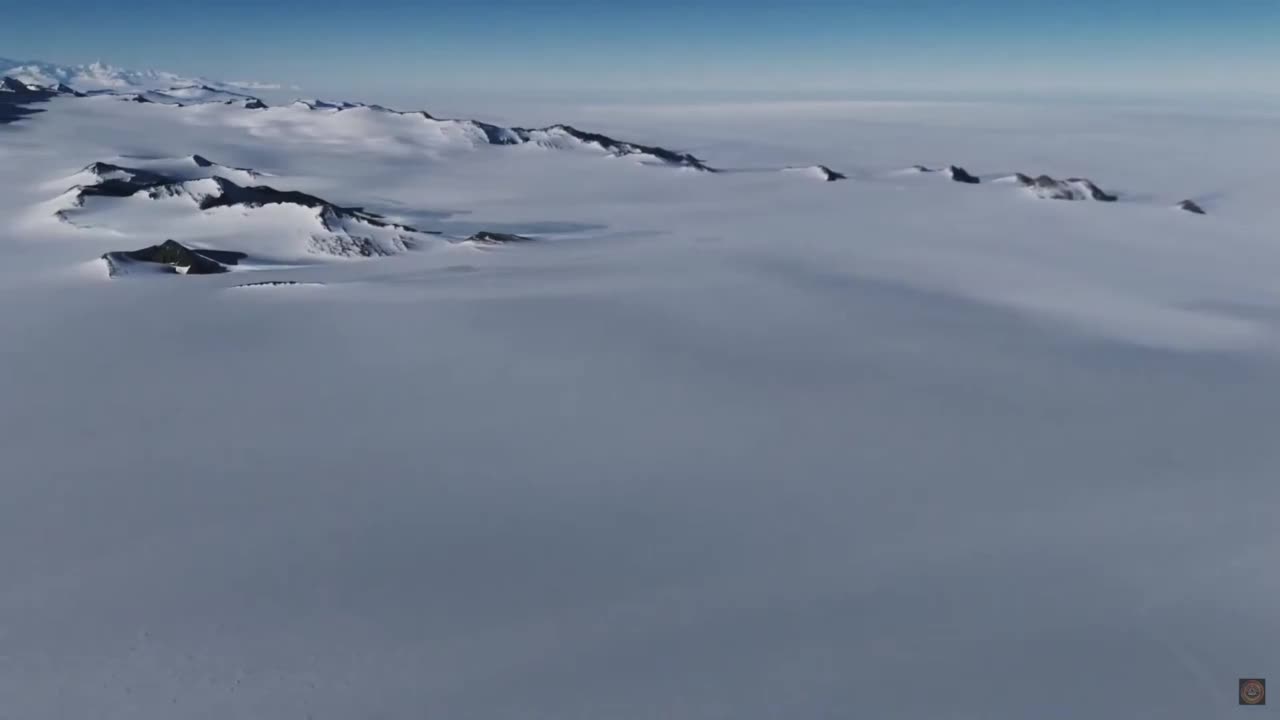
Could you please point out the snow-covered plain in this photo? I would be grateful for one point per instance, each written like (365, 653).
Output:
(741, 445)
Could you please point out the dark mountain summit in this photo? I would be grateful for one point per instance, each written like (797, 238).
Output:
(960, 175)
(214, 192)
(16, 96)
(955, 172)
(175, 257)
(9, 84)
(1074, 188)
(614, 147)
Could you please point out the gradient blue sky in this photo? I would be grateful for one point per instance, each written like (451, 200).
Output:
(692, 46)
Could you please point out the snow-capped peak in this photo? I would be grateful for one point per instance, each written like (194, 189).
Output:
(101, 76)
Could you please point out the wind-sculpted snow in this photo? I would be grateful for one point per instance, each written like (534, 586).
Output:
(818, 172)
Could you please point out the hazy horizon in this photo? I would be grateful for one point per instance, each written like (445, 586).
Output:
(668, 49)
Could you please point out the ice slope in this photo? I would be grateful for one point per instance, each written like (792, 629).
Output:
(717, 445)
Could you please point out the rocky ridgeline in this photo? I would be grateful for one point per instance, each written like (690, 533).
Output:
(173, 258)
(954, 172)
(346, 229)
(1074, 188)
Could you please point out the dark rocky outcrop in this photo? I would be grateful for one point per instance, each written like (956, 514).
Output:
(342, 232)
(12, 85)
(201, 161)
(227, 193)
(955, 172)
(174, 255)
(1190, 206)
(496, 238)
(1050, 189)
(1095, 192)
(497, 135)
(256, 196)
(1074, 188)
(831, 175)
(16, 97)
(615, 147)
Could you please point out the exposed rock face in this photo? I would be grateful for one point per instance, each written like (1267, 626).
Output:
(230, 194)
(119, 181)
(955, 172)
(960, 175)
(174, 256)
(11, 85)
(1094, 192)
(830, 175)
(351, 246)
(495, 238)
(1190, 206)
(558, 135)
(549, 136)
(1048, 188)
(325, 105)
(328, 229)
(16, 96)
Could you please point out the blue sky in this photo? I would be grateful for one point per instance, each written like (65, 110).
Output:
(673, 46)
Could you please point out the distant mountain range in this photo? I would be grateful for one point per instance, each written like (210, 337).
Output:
(23, 83)
(99, 76)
